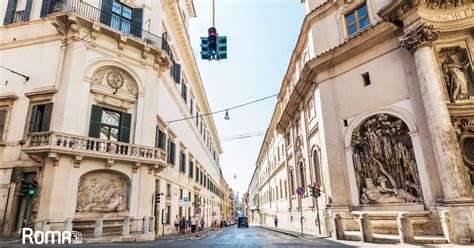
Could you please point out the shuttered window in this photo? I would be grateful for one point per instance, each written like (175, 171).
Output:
(176, 72)
(17, 11)
(110, 124)
(191, 169)
(40, 118)
(182, 162)
(184, 91)
(171, 152)
(122, 17)
(160, 141)
(3, 116)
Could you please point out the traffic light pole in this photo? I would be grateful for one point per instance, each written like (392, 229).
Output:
(25, 212)
(213, 13)
(317, 215)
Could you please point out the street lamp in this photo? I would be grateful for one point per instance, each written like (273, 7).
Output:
(227, 117)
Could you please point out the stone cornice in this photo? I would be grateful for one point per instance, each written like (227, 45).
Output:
(361, 42)
(172, 10)
(315, 15)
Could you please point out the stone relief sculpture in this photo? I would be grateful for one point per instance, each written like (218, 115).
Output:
(464, 128)
(456, 69)
(102, 191)
(115, 78)
(384, 161)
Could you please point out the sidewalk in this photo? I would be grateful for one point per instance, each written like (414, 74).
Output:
(306, 236)
(188, 234)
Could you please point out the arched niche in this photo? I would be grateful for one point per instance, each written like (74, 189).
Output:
(103, 191)
(384, 161)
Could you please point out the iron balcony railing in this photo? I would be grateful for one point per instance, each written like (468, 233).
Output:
(114, 21)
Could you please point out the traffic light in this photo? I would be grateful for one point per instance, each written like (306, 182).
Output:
(311, 190)
(158, 198)
(24, 187)
(33, 188)
(317, 190)
(221, 47)
(213, 47)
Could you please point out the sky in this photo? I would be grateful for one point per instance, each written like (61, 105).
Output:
(261, 35)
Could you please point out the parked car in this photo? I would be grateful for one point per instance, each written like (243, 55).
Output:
(243, 221)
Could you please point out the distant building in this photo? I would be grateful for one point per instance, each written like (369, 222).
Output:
(377, 107)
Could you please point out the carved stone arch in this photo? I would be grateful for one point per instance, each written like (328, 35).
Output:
(103, 191)
(400, 113)
(291, 180)
(105, 62)
(316, 162)
(384, 161)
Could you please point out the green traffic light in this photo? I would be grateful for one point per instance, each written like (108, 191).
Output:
(31, 192)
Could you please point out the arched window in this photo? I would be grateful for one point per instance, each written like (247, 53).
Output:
(302, 174)
(317, 168)
(291, 181)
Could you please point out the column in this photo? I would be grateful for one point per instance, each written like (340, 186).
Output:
(453, 172)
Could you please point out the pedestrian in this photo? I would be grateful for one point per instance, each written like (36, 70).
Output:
(193, 224)
(176, 224)
(202, 224)
(189, 222)
(182, 225)
(275, 219)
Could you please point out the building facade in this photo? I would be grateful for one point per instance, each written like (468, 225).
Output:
(377, 107)
(108, 118)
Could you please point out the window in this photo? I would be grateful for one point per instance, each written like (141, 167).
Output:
(182, 161)
(197, 174)
(171, 152)
(310, 107)
(160, 139)
(191, 106)
(191, 168)
(366, 78)
(288, 138)
(168, 190)
(181, 194)
(176, 72)
(3, 117)
(357, 19)
(168, 214)
(291, 179)
(301, 174)
(18, 11)
(317, 168)
(184, 91)
(40, 118)
(110, 124)
(197, 118)
(121, 17)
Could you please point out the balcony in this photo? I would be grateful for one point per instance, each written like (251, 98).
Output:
(70, 13)
(52, 144)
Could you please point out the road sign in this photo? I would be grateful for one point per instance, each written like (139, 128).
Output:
(300, 190)
(185, 200)
(197, 210)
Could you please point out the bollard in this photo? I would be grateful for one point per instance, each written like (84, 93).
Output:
(45, 227)
(68, 225)
(365, 225)
(405, 229)
(152, 224)
(145, 224)
(329, 227)
(449, 230)
(126, 225)
(99, 224)
(339, 227)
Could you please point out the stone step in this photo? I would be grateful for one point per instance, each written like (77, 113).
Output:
(394, 239)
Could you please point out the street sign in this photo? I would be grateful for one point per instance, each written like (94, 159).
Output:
(185, 200)
(197, 210)
(300, 190)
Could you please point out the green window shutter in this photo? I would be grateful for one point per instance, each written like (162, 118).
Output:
(3, 115)
(157, 137)
(10, 13)
(32, 124)
(26, 14)
(137, 20)
(46, 122)
(125, 125)
(96, 118)
(106, 12)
